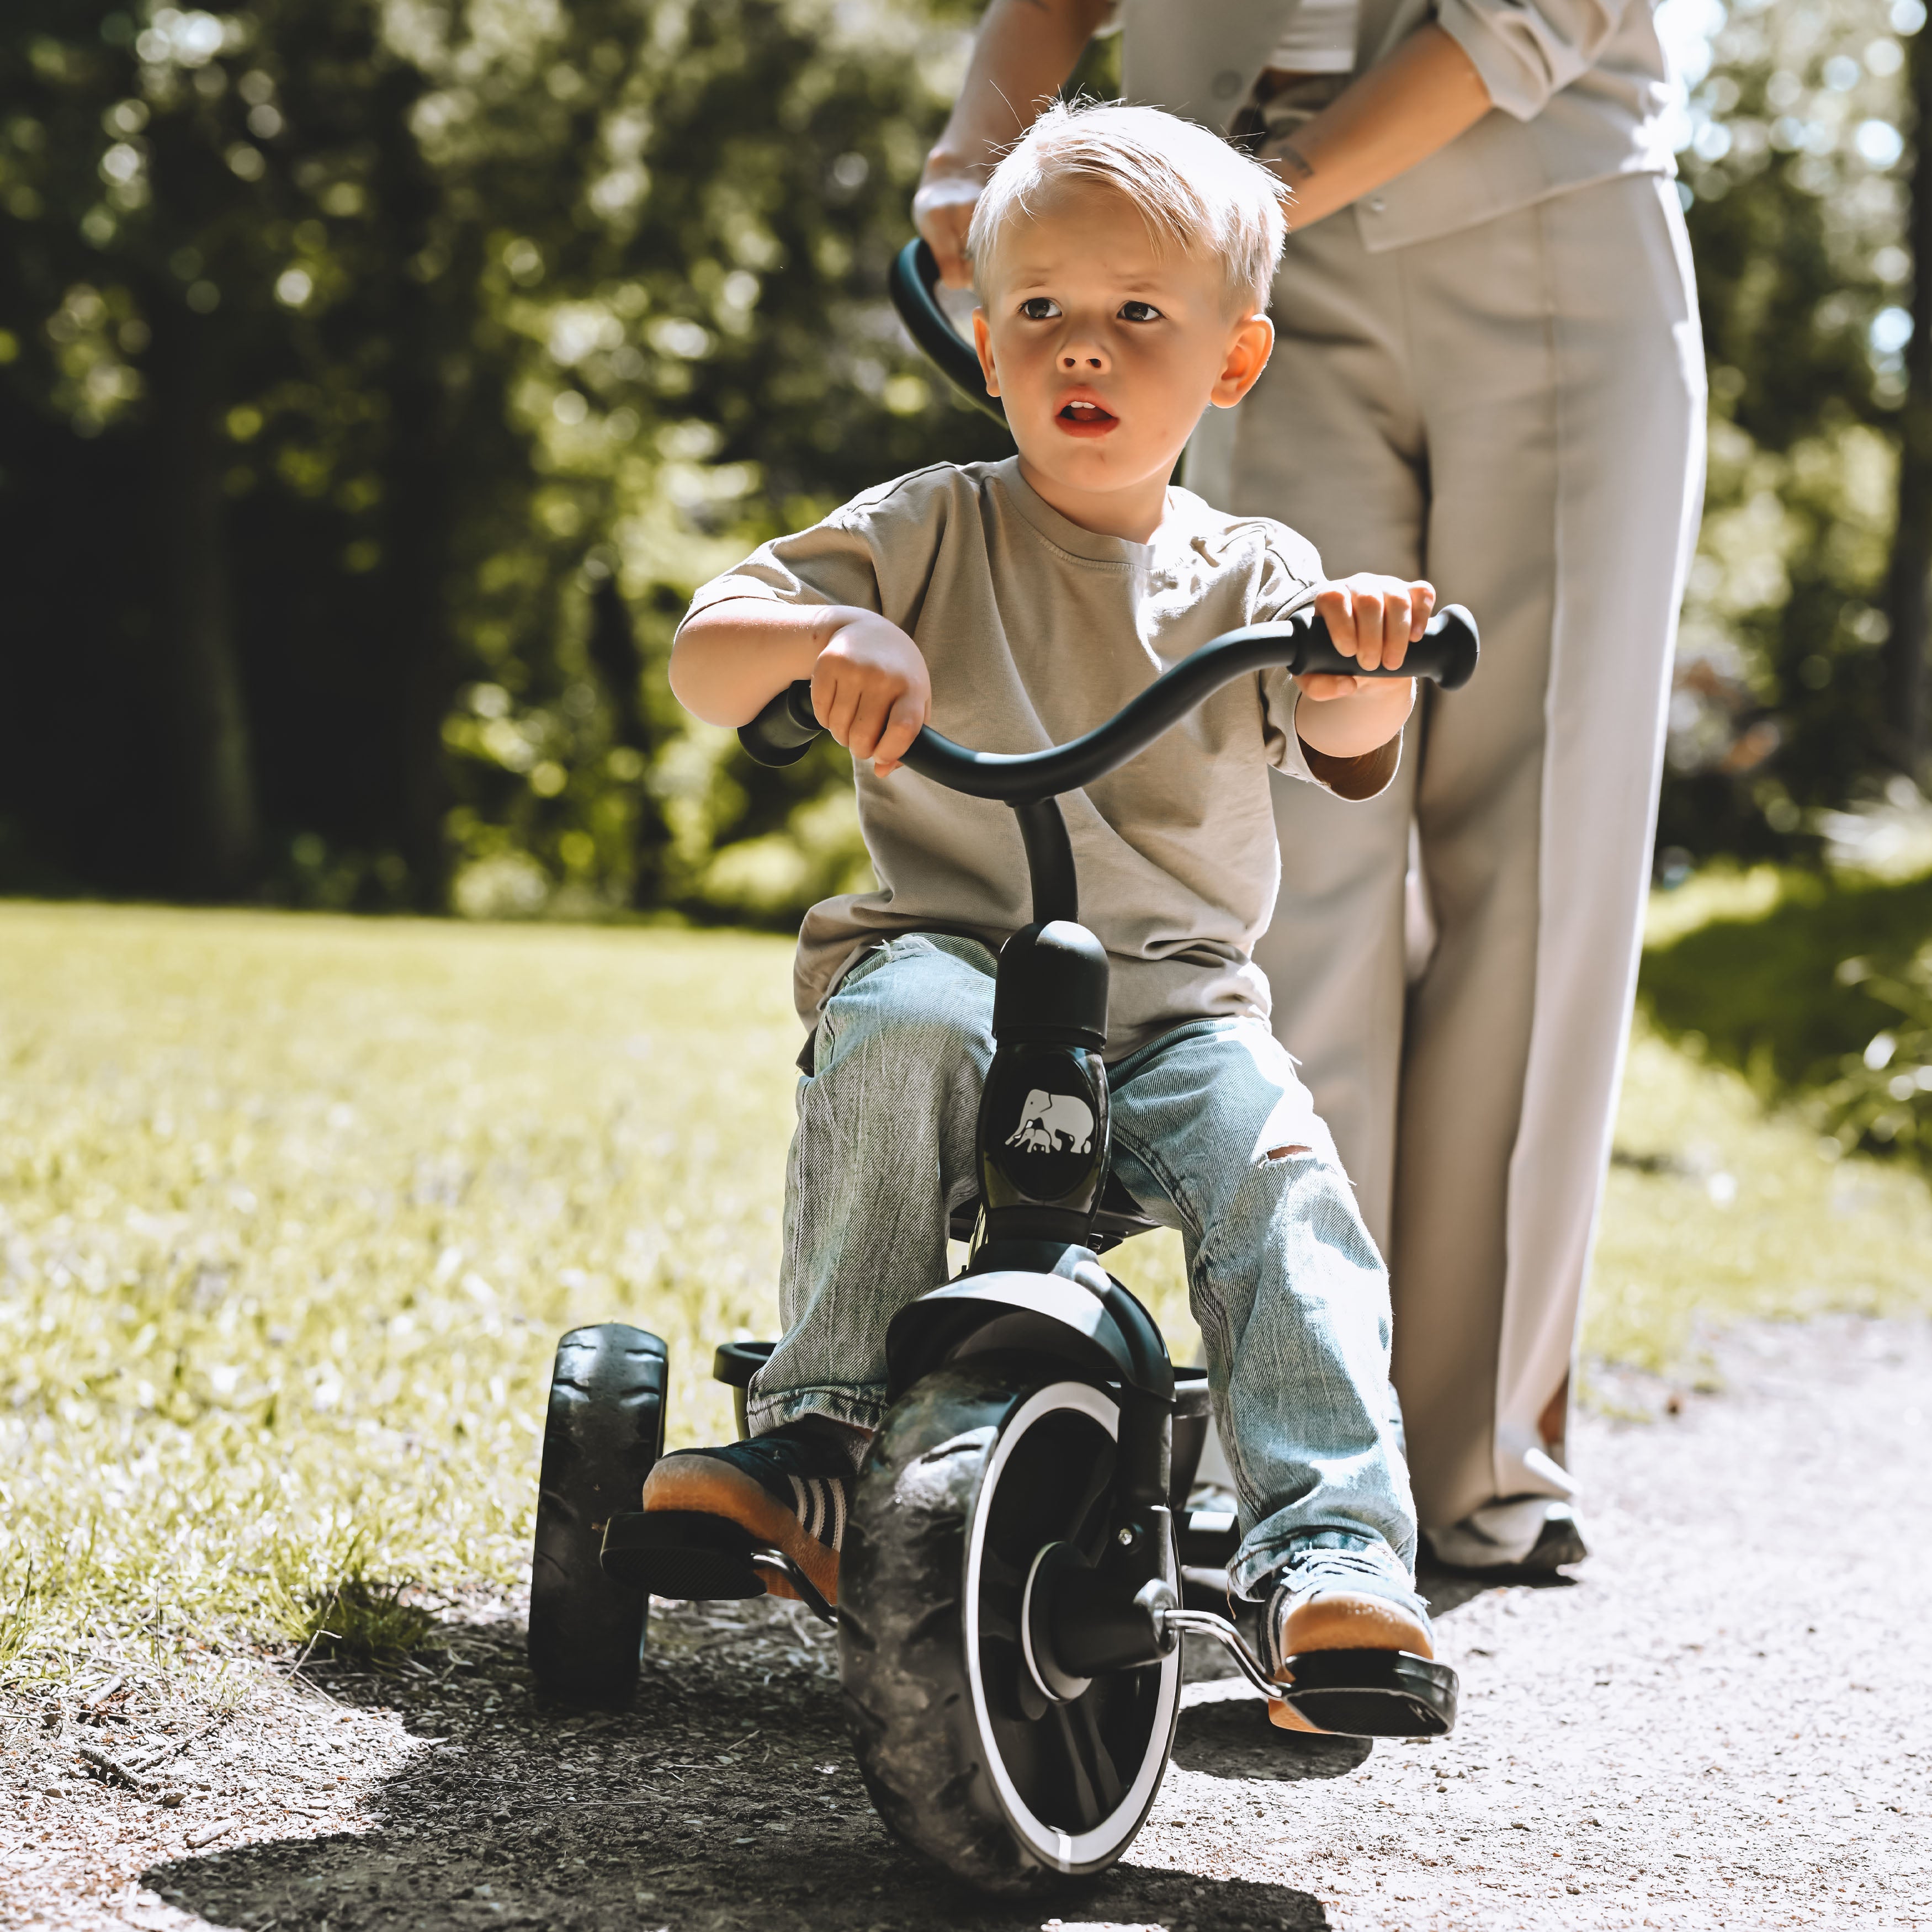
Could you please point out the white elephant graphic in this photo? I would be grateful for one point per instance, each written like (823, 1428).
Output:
(1053, 1123)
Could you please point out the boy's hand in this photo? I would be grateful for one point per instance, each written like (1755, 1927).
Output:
(870, 690)
(1373, 620)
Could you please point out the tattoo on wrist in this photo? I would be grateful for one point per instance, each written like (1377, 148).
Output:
(1295, 161)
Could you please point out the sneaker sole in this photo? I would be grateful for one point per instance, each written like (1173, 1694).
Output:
(702, 1486)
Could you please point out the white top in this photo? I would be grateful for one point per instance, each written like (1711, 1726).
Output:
(1318, 38)
(1582, 89)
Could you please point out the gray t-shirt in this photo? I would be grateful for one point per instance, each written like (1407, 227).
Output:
(1035, 631)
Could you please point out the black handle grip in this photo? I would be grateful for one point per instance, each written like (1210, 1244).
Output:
(782, 732)
(912, 283)
(1445, 654)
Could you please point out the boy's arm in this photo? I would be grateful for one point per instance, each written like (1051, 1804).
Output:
(869, 685)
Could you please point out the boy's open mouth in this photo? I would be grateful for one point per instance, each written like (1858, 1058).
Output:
(1081, 416)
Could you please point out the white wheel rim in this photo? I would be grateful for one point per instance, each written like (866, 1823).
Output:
(1064, 1852)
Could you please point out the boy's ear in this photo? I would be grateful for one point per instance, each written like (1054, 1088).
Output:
(1249, 349)
(982, 341)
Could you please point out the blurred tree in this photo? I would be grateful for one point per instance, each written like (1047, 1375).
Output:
(1903, 720)
(360, 358)
(1797, 180)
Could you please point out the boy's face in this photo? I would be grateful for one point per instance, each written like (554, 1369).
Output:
(1105, 350)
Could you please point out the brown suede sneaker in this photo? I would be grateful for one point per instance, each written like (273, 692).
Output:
(789, 1490)
(1309, 1617)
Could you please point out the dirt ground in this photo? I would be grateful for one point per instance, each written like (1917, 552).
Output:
(1721, 1722)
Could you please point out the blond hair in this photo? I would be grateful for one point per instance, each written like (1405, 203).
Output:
(1192, 190)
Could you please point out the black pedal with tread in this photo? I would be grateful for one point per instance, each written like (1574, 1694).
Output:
(681, 1553)
(1372, 1693)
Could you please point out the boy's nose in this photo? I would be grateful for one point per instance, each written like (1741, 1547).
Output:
(1083, 355)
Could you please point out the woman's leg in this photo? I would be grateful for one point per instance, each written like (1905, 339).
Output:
(884, 1147)
(1566, 473)
(1542, 371)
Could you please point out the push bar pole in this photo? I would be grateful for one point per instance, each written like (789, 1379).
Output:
(912, 283)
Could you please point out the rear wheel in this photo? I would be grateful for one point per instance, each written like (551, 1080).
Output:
(975, 1473)
(603, 1430)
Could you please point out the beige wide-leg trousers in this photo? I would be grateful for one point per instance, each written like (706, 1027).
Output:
(1516, 412)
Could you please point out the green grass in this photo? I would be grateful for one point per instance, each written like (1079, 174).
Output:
(293, 1210)
(1746, 968)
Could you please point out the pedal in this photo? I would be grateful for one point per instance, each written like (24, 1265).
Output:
(681, 1553)
(1354, 1693)
(1371, 1694)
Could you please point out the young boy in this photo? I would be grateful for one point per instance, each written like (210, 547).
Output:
(1123, 259)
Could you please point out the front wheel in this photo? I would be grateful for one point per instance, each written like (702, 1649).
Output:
(976, 1472)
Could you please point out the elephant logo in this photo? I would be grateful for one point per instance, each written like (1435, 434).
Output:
(1053, 1123)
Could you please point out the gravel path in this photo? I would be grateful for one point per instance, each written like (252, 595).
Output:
(1722, 1722)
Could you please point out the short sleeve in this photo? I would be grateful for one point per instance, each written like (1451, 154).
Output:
(832, 563)
(1526, 50)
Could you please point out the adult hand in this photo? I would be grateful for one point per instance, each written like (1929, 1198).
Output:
(871, 690)
(1022, 54)
(942, 211)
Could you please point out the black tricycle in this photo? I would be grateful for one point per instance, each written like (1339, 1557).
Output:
(1016, 1572)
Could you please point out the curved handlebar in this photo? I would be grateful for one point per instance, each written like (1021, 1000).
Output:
(1446, 652)
(914, 277)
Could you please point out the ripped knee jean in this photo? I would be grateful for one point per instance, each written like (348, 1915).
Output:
(1213, 1134)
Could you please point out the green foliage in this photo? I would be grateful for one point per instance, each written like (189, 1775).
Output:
(1769, 993)
(1795, 169)
(406, 367)
(1820, 992)
(1882, 1097)
(356, 1617)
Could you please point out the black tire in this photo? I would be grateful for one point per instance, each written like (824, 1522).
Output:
(603, 1431)
(976, 1470)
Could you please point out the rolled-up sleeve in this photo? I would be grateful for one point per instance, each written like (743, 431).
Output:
(1526, 50)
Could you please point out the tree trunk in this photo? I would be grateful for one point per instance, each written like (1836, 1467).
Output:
(216, 834)
(1902, 726)
(424, 397)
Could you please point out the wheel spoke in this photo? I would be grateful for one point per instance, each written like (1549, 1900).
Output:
(1099, 1759)
(1087, 1807)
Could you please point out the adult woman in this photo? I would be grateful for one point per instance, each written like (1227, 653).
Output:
(1488, 371)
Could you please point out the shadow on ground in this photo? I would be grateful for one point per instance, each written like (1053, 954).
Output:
(726, 1795)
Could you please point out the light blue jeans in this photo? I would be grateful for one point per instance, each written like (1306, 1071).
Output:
(1213, 1134)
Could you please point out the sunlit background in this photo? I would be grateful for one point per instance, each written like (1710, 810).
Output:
(377, 379)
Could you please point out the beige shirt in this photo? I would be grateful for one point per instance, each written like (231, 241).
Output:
(1035, 631)
(1581, 89)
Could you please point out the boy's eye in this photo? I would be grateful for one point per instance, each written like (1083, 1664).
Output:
(1139, 311)
(1039, 308)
